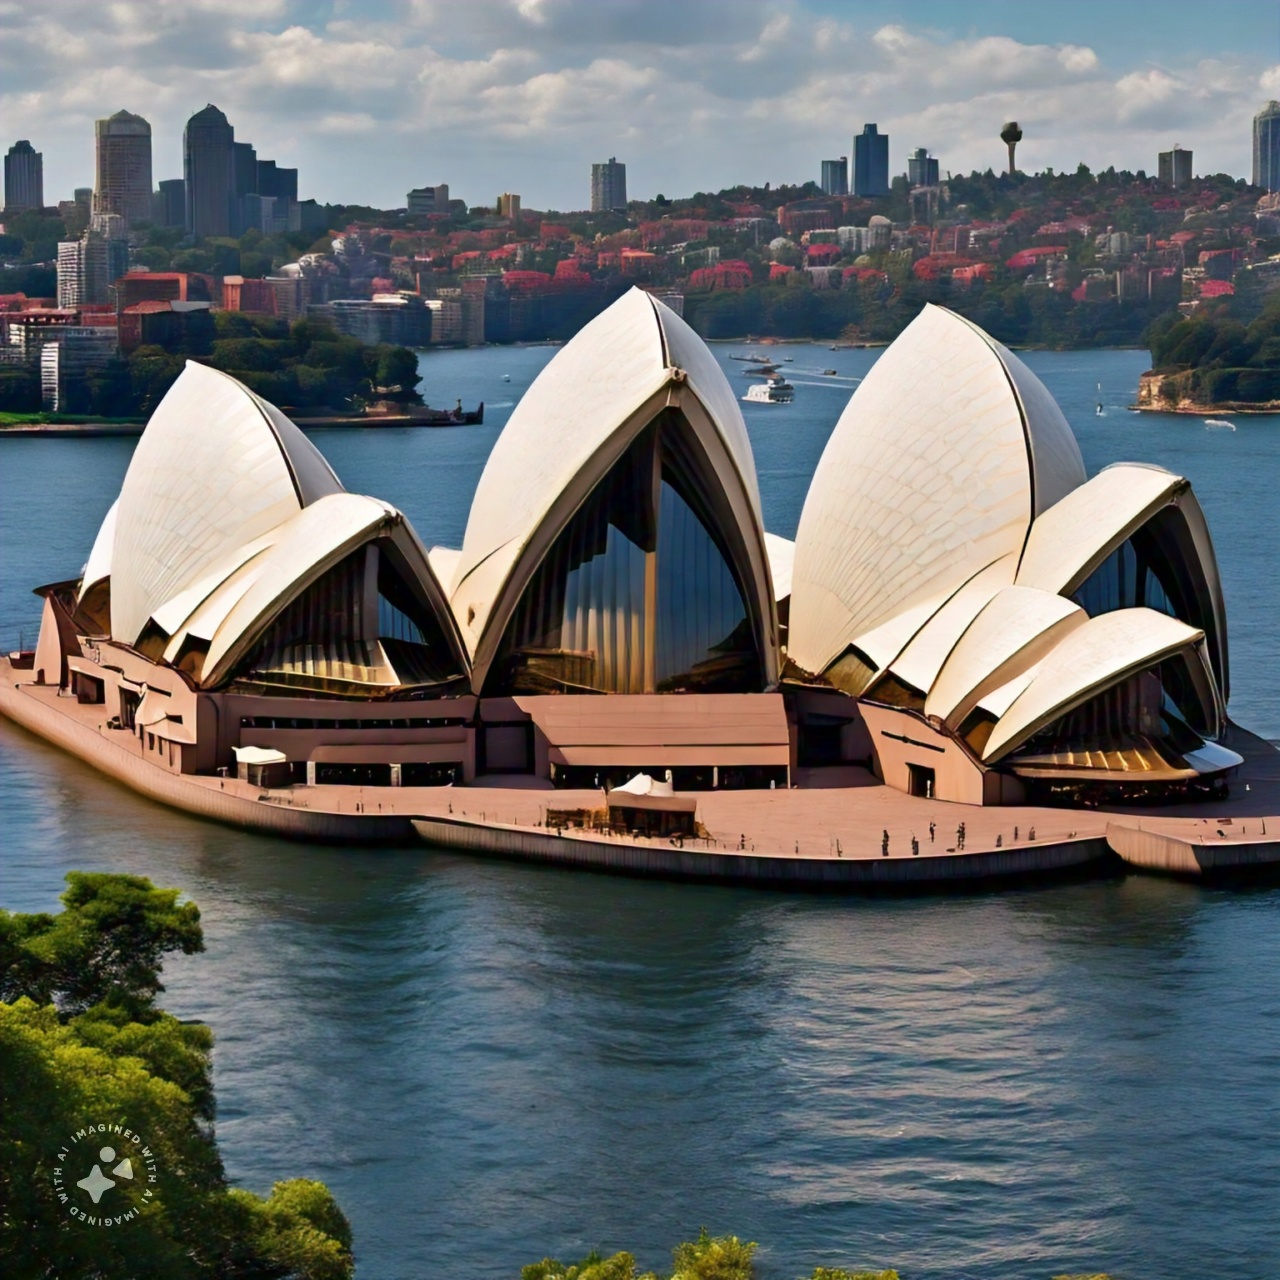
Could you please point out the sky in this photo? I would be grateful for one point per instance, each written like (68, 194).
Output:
(368, 98)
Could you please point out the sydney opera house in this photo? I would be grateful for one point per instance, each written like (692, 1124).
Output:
(963, 611)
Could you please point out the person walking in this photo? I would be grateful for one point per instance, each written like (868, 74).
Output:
(884, 844)
(931, 830)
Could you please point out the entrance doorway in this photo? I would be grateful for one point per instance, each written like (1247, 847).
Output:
(920, 781)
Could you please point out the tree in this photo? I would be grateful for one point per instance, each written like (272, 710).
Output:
(91, 1066)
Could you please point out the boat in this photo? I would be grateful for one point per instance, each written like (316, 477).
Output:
(760, 371)
(775, 391)
(828, 373)
(1218, 424)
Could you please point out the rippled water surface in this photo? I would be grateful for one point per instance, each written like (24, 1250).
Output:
(489, 1063)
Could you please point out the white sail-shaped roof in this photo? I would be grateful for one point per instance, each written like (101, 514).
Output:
(216, 467)
(1013, 632)
(1091, 658)
(576, 420)
(98, 566)
(945, 454)
(1072, 538)
(782, 554)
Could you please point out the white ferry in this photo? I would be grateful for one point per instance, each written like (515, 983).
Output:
(774, 392)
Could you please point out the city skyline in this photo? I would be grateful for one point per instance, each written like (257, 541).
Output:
(524, 95)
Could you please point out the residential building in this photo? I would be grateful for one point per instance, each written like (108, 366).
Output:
(922, 169)
(208, 155)
(122, 167)
(1175, 167)
(608, 186)
(1266, 147)
(508, 206)
(446, 318)
(67, 360)
(23, 178)
(835, 177)
(871, 162)
(402, 319)
(428, 200)
(89, 267)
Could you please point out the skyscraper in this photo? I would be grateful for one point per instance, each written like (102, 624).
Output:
(208, 161)
(23, 178)
(1266, 147)
(922, 168)
(1175, 167)
(122, 167)
(835, 177)
(608, 186)
(871, 162)
(169, 203)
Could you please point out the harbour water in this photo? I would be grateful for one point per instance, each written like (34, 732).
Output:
(489, 1063)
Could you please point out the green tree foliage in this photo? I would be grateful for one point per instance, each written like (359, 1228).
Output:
(84, 1044)
(1217, 358)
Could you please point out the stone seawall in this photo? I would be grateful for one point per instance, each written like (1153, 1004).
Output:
(671, 862)
(1193, 855)
(200, 798)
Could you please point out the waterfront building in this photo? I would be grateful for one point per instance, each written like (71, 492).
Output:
(398, 318)
(1266, 147)
(1175, 167)
(208, 154)
(89, 267)
(608, 186)
(871, 162)
(423, 201)
(66, 362)
(122, 167)
(835, 177)
(23, 178)
(961, 605)
(922, 169)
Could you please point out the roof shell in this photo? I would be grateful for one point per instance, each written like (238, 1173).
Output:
(216, 467)
(1014, 630)
(573, 423)
(98, 566)
(1093, 657)
(944, 455)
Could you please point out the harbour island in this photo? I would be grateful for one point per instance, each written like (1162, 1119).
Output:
(974, 661)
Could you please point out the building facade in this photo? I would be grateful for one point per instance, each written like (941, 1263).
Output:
(23, 178)
(835, 177)
(871, 162)
(428, 200)
(962, 609)
(208, 156)
(1175, 167)
(89, 267)
(66, 363)
(169, 203)
(122, 167)
(608, 186)
(922, 169)
(1266, 147)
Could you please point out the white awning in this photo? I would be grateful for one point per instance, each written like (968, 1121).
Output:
(259, 755)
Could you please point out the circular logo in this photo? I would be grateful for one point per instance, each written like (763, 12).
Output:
(105, 1175)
